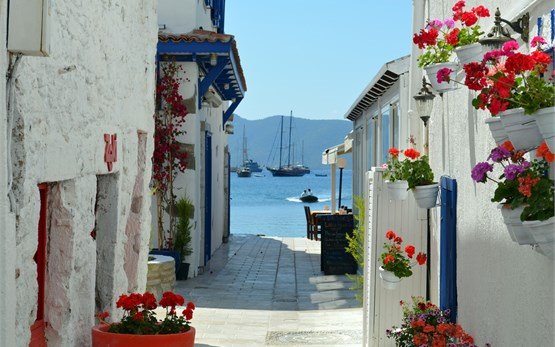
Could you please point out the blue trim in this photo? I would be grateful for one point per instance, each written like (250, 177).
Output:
(210, 78)
(207, 197)
(540, 26)
(448, 247)
(204, 47)
(552, 26)
(230, 109)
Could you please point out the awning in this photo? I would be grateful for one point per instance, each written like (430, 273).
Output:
(330, 155)
(217, 57)
(384, 79)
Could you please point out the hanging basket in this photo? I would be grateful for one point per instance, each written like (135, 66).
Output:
(431, 71)
(398, 190)
(519, 233)
(469, 53)
(497, 130)
(389, 280)
(545, 118)
(426, 196)
(521, 129)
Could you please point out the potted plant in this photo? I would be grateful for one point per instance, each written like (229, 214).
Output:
(465, 40)
(424, 324)
(420, 178)
(511, 84)
(185, 210)
(524, 191)
(437, 52)
(396, 184)
(396, 263)
(140, 327)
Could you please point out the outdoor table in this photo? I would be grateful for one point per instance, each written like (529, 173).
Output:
(334, 260)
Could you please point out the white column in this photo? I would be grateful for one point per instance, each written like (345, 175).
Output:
(333, 202)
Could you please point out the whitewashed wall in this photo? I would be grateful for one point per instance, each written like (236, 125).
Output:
(505, 291)
(98, 79)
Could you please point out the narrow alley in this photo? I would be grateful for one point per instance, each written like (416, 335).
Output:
(269, 291)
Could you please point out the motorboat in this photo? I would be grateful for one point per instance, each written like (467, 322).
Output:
(243, 172)
(307, 196)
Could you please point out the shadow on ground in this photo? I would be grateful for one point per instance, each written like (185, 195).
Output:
(268, 273)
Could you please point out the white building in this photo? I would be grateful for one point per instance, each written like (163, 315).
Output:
(192, 35)
(503, 293)
(74, 231)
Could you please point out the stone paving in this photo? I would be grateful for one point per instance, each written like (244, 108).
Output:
(269, 291)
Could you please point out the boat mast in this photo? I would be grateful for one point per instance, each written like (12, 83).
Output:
(302, 153)
(245, 156)
(289, 144)
(280, 142)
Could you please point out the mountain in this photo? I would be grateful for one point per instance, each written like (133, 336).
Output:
(263, 140)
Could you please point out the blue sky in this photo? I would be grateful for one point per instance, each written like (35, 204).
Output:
(314, 56)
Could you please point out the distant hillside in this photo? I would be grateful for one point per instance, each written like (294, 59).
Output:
(263, 139)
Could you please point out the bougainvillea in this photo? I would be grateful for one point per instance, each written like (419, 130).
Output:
(168, 159)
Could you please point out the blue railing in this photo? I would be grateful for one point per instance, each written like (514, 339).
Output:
(217, 13)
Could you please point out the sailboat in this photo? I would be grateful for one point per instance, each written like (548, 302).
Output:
(287, 170)
(243, 170)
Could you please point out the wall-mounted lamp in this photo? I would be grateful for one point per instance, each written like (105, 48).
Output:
(213, 59)
(424, 101)
(498, 35)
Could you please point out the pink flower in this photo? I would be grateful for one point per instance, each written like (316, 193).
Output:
(449, 23)
(537, 40)
(510, 46)
(443, 75)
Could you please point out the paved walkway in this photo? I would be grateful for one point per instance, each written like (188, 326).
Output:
(269, 291)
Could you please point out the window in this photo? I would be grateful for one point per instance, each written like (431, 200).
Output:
(395, 121)
(371, 129)
(385, 133)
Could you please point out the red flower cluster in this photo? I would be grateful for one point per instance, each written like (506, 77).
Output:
(393, 258)
(393, 152)
(452, 37)
(525, 185)
(411, 153)
(426, 37)
(469, 18)
(544, 152)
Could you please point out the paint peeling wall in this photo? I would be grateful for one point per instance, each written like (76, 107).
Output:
(505, 291)
(98, 79)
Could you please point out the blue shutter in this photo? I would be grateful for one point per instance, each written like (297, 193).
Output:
(448, 247)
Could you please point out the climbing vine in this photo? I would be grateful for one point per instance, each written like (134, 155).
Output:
(168, 159)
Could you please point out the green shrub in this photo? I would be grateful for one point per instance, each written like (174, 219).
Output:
(356, 246)
(183, 228)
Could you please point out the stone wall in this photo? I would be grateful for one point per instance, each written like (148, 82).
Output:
(98, 79)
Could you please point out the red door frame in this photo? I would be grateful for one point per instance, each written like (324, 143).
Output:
(38, 338)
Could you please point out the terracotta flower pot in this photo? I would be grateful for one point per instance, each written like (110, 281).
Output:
(398, 190)
(389, 280)
(102, 338)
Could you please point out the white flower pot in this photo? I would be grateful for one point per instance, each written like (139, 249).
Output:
(517, 230)
(542, 231)
(497, 130)
(389, 280)
(431, 71)
(426, 196)
(521, 129)
(469, 53)
(545, 118)
(398, 190)
(547, 249)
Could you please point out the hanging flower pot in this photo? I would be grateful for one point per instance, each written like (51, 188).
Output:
(469, 53)
(519, 232)
(521, 129)
(389, 280)
(440, 87)
(543, 233)
(497, 130)
(426, 196)
(398, 190)
(545, 118)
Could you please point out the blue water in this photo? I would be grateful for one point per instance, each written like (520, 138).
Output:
(270, 205)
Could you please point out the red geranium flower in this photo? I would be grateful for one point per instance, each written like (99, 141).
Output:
(458, 5)
(519, 62)
(428, 328)
(390, 234)
(388, 259)
(149, 301)
(421, 258)
(420, 339)
(188, 313)
(409, 250)
(394, 152)
(508, 145)
(452, 37)
(412, 153)
(398, 240)
(469, 18)
(544, 152)
(481, 11)
(426, 38)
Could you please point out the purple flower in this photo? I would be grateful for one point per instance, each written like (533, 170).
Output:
(479, 172)
(499, 154)
(513, 170)
(443, 75)
(450, 23)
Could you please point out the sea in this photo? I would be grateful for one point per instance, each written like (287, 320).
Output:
(267, 205)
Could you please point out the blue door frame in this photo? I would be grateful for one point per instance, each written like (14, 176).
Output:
(207, 196)
(448, 247)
